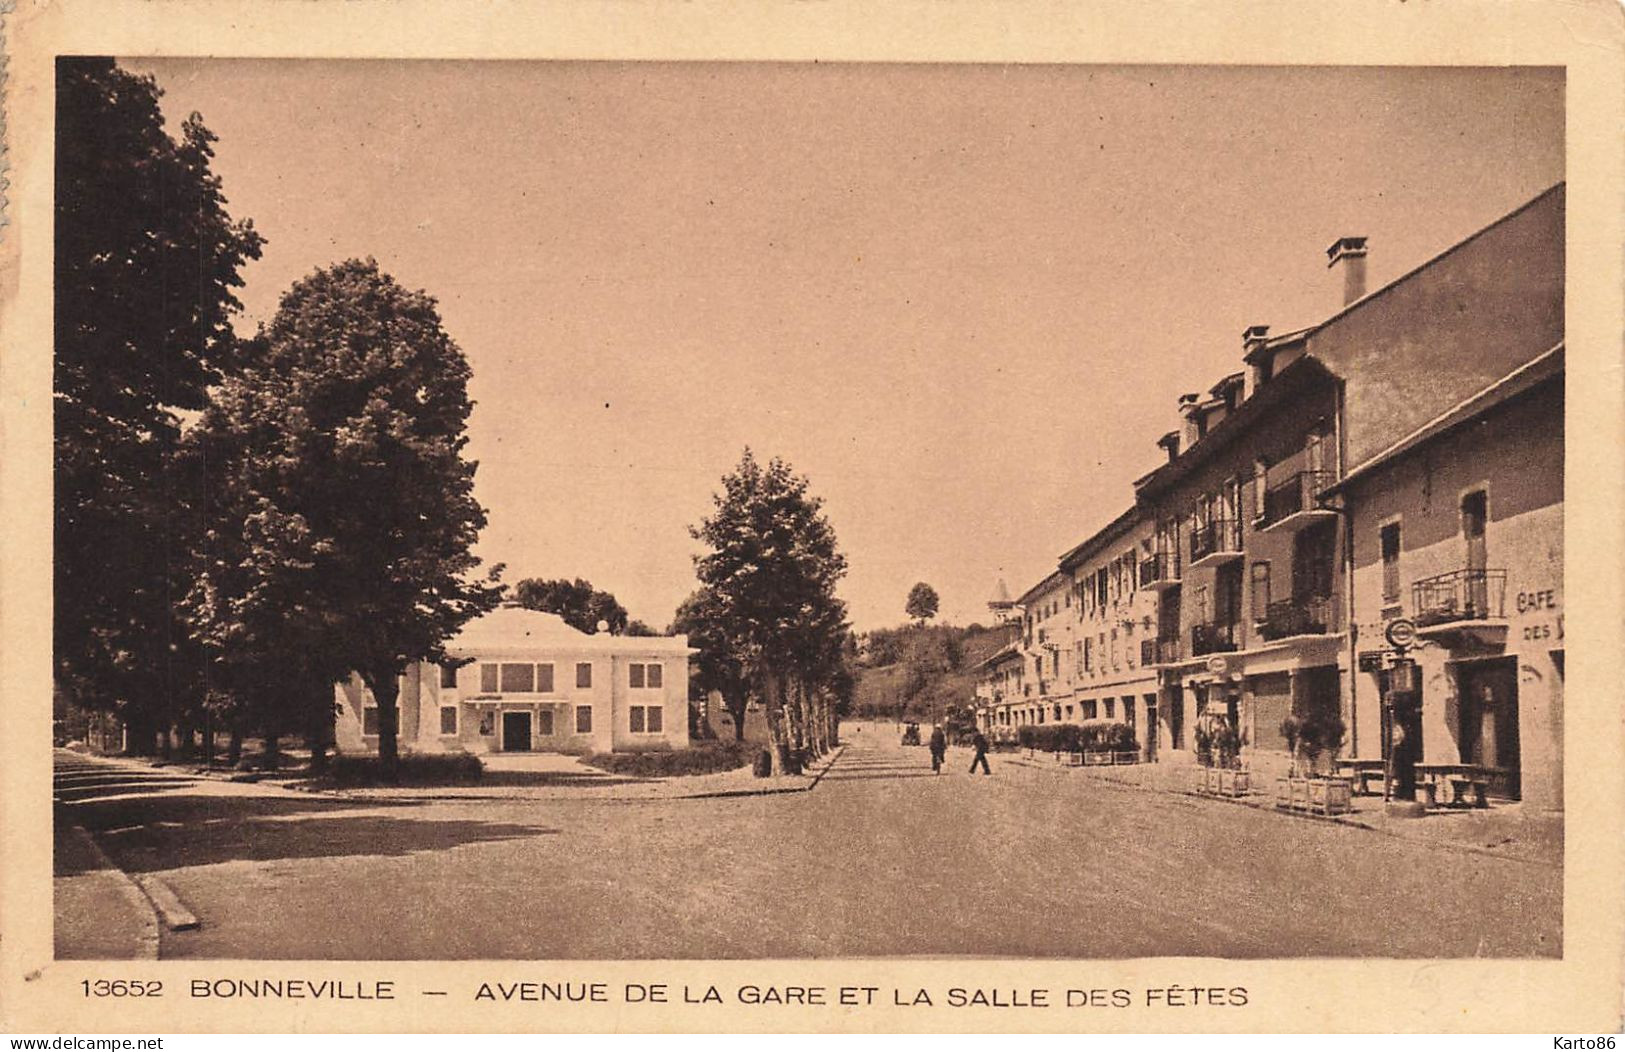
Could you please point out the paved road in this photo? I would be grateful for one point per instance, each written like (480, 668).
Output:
(882, 859)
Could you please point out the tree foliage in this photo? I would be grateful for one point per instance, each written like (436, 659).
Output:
(771, 570)
(580, 604)
(718, 665)
(922, 603)
(341, 445)
(147, 261)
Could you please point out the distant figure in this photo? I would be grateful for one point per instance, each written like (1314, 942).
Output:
(980, 744)
(939, 748)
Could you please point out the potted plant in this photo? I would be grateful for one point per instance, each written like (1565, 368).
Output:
(1234, 779)
(1203, 738)
(1322, 734)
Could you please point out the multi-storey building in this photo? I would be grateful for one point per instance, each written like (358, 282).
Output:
(1114, 647)
(1047, 631)
(1301, 497)
(1459, 527)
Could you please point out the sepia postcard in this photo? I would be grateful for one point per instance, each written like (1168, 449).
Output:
(920, 517)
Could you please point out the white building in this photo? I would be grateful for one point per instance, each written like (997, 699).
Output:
(524, 681)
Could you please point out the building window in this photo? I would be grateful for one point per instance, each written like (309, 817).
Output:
(518, 679)
(448, 677)
(488, 679)
(369, 719)
(1089, 710)
(583, 719)
(1390, 562)
(544, 679)
(645, 675)
(544, 723)
(1111, 709)
(448, 720)
(647, 719)
(1261, 591)
(584, 675)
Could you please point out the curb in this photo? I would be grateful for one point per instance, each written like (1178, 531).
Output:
(147, 941)
(347, 797)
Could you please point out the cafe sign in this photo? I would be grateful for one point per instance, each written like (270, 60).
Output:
(1217, 665)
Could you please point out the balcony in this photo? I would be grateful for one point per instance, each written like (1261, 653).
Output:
(1160, 571)
(1215, 637)
(1461, 603)
(1217, 542)
(1166, 651)
(1294, 503)
(1315, 616)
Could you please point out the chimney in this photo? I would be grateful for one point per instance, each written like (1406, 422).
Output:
(1350, 252)
(1189, 411)
(1170, 443)
(1258, 363)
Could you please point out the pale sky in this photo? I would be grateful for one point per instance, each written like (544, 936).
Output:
(961, 299)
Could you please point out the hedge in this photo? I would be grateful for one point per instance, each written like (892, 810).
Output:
(705, 758)
(413, 769)
(1089, 736)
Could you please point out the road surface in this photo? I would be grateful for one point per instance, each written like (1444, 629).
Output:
(881, 859)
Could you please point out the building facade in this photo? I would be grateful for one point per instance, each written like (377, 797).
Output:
(1401, 459)
(524, 681)
(1459, 528)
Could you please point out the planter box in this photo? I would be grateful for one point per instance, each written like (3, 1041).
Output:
(1096, 759)
(1070, 759)
(1331, 796)
(1206, 780)
(1234, 782)
(1125, 757)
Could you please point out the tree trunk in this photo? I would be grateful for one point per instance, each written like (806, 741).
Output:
(208, 738)
(320, 733)
(386, 691)
(773, 698)
(234, 751)
(273, 751)
(736, 709)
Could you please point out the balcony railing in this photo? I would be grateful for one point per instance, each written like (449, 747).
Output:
(1461, 595)
(1296, 495)
(1221, 537)
(1164, 651)
(1159, 569)
(1315, 616)
(1215, 637)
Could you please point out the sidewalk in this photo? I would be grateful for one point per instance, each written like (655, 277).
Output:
(99, 912)
(1504, 830)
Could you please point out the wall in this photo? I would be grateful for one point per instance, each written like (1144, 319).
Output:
(1417, 347)
(1516, 453)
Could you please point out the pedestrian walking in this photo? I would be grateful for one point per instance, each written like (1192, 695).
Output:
(980, 744)
(939, 748)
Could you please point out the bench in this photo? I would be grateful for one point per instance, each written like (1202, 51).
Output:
(1462, 784)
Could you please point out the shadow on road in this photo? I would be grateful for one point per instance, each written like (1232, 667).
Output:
(167, 831)
(574, 779)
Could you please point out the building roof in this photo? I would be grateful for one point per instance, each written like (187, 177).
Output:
(514, 629)
(1101, 538)
(1521, 380)
(1055, 578)
(1010, 650)
(1291, 382)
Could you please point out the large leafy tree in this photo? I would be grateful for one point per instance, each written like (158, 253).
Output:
(359, 515)
(580, 604)
(147, 258)
(922, 603)
(772, 567)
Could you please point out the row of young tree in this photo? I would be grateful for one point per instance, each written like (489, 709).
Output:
(765, 619)
(241, 523)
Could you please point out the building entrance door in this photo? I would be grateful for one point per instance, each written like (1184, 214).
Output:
(516, 732)
(1489, 718)
(1151, 728)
